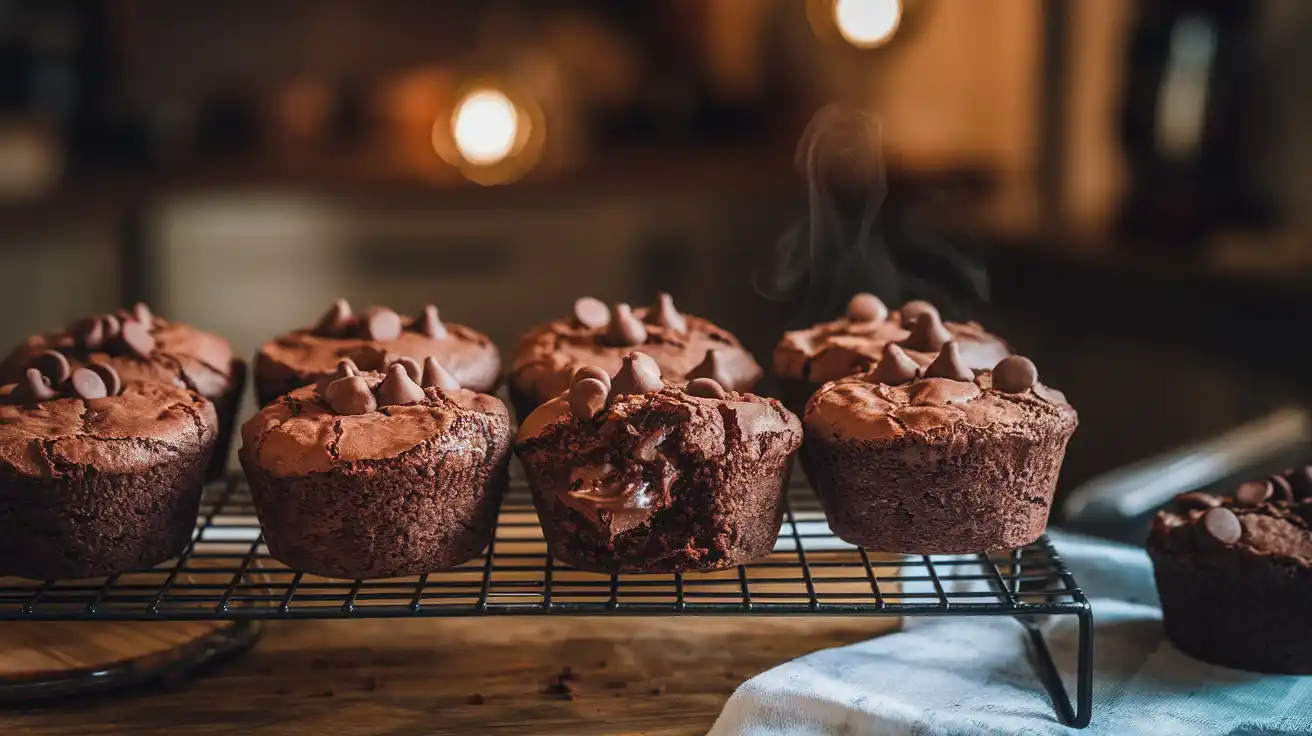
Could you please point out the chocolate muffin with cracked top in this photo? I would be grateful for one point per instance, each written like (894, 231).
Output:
(142, 346)
(806, 359)
(372, 340)
(370, 475)
(97, 477)
(636, 474)
(1235, 575)
(682, 345)
(937, 460)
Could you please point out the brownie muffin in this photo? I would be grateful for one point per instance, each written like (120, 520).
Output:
(852, 344)
(370, 475)
(939, 460)
(372, 340)
(142, 346)
(1235, 575)
(682, 345)
(636, 474)
(97, 477)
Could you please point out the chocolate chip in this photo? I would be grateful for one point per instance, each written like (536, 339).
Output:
(586, 398)
(895, 367)
(636, 376)
(914, 309)
(112, 326)
(137, 339)
(142, 313)
(437, 376)
(706, 388)
(1015, 375)
(948, 365)
(1300, 480)
(713, 367)
(412, 368)
(1196, 500)
(53, 365)
(397, 389)
(350, 395)
(1254, 492)
(113, 384)
(927, 334)
(345, 369)
(591, 313)
(33, 389)
(665, 315)
(866, 308)
(591, 371)
(334, 321)
(1282, 491)
(89, 333)
(381, 324)
(625, 328)
(429, 324)
(1223, 525)
(87, 384)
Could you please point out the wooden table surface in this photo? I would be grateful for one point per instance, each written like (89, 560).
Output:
(487, 676)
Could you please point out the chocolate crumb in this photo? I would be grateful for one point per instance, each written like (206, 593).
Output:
(475, 699)
(658, 690)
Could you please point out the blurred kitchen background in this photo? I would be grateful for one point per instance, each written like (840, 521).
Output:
(1134, 176)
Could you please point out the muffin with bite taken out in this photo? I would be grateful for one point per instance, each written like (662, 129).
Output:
(639, 474)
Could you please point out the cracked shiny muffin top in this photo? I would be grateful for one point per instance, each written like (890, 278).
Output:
(356, 418)
(373, 339)
(682, 345)
(140, 345)
(853, 343)
(60, 420)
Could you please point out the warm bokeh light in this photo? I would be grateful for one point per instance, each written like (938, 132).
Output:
(485, 127)
(867, 23)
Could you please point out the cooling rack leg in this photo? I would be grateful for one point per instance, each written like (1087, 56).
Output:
(1084, 685)
(1077, 714)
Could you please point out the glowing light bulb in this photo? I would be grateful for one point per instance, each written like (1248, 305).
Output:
(867, 23)
(485, 127)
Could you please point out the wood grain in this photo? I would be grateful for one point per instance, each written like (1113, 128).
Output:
(654, 675)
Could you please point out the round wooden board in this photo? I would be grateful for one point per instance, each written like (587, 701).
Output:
(50, 659)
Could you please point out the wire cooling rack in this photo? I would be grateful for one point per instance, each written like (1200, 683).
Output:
(227, 573)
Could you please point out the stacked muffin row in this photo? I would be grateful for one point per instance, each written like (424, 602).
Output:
(379, 451)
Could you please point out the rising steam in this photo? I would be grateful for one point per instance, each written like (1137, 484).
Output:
(850, 241)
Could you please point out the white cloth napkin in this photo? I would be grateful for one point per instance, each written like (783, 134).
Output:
(973, 675)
